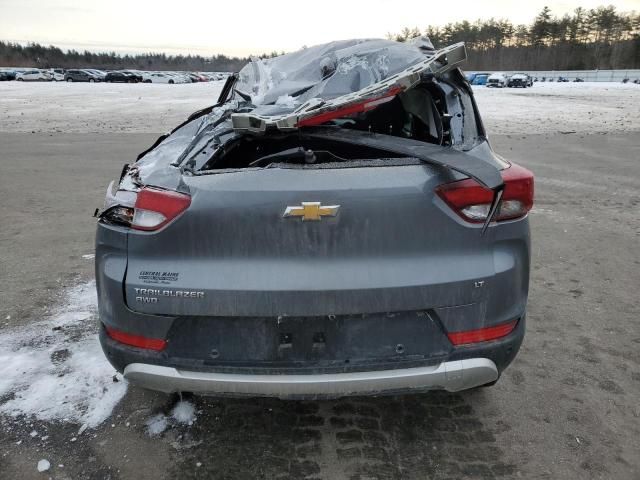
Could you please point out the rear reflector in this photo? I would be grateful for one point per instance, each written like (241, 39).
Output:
(472, 201)
(482, 334)
(138, 341)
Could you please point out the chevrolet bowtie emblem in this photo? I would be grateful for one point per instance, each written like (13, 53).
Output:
(312, 211)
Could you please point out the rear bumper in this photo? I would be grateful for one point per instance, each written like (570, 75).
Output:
(465, 367)
(452, 376)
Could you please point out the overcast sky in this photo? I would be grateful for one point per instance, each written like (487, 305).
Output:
(244, 27)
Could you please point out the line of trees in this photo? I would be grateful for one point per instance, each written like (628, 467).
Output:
(599, 38)
(40, 56)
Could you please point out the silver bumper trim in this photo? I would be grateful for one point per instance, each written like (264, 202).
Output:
(451, 376)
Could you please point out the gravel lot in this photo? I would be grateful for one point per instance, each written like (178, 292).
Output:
(566, 408)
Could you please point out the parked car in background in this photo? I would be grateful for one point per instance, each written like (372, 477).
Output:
(497, 80)
(57, 74)
(118, 77)
(519, 80)
(33, 75)
(180, 77)
(563, 79)
(158, 77)
(198, 77)
(98, 73)
(77, 75)
(7, 75)
(480, 79)
(135, 76)
(578, 79)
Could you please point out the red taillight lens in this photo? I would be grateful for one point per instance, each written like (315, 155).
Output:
(149, 209)
(154, 208)
(138, 341)
(482, 334)
(472, 201)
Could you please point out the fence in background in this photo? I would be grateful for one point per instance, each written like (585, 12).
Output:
(586, 75)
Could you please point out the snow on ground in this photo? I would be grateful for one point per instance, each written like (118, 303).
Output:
(54, 369)
(183, 413)
(594, 107)
(100, 107)
(84, 107)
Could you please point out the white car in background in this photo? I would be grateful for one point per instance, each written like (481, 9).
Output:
(498, 80)
(57, 74)
(33, 75)
(159, 77)
(181, 77)
(178, 77)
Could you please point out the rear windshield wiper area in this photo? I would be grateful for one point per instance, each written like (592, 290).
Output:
(255, 151)
(299, 156)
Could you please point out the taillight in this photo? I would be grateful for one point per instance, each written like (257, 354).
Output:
(472, 201)
(155, 208)
(482, 334)
(138, 341)
(149, 209)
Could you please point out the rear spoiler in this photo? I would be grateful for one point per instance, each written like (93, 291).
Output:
(483, 172)
(446, 157)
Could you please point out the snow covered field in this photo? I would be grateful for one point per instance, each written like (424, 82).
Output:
(595, 107)
(544, 108)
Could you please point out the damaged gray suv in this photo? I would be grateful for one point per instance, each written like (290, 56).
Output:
(337, 224)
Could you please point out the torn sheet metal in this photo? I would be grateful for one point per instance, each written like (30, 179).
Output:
(369, 75)
(301, 90)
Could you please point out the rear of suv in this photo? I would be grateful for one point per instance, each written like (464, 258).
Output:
(368, 243)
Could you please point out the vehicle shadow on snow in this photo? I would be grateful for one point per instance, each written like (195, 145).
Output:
(434, 435)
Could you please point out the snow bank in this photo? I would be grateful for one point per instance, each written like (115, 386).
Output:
(54, 370)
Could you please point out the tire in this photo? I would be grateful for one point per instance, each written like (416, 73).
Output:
(69, 79)
(91, 80)
(21, 79)
(171, 82)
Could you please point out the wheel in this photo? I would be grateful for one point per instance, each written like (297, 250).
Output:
(91, 80)
(69, 79)
(21, 79)
(171, 82)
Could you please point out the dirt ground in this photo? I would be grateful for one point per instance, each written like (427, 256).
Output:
(566, 408)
